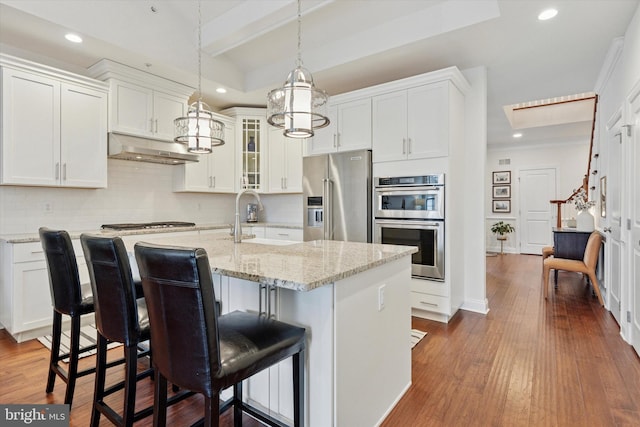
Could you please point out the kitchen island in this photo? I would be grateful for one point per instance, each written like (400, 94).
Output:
(353, 299)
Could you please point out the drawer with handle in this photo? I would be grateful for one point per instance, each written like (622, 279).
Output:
(428, 302)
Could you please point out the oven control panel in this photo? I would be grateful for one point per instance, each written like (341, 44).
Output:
(399, 181)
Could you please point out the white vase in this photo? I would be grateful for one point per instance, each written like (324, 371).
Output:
(584, 221)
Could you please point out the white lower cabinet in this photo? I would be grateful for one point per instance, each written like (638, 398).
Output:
(26, 310)
(432, 300)
(272, 389)
(281, 233)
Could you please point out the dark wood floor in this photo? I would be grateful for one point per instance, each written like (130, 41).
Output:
(529, 362)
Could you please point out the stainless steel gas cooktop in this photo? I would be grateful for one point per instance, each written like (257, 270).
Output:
(147, 225)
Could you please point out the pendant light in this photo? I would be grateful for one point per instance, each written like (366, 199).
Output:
(199, 130)
(298, 107)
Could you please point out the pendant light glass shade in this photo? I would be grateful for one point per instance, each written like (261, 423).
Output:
(199, 130)
(298, 107)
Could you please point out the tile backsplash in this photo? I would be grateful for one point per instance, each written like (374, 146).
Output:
(137, 192)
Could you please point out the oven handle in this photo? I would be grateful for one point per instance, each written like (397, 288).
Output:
(405, 222)
(406, 192)
(410, 188)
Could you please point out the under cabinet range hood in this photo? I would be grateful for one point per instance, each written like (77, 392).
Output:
(138, 149)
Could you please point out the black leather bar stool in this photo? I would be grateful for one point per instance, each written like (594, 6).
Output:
(120, 317)
(71, 298)
(200, 350)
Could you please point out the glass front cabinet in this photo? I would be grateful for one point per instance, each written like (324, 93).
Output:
(251, 128)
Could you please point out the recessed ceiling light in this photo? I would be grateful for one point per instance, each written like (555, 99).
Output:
(221, 90)
(517, 135)
(547, 14)
(74, 38)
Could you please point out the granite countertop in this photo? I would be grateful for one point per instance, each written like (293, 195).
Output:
(300, 266)
(33, 237)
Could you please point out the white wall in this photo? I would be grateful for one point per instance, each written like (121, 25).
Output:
(137, 192)
(568, 159)
(616, 81)
(475, 298)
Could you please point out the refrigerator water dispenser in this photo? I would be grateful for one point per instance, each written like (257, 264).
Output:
(314, 211)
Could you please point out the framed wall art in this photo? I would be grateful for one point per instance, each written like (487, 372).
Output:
(501, 191)
(502, 206)
(501, 177)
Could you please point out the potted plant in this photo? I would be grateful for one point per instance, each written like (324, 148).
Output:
(502, 228)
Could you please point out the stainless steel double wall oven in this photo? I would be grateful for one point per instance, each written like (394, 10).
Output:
(410, 211)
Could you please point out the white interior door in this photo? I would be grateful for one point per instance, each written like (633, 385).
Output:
(634, 173)
(537, 215)
(613, 217)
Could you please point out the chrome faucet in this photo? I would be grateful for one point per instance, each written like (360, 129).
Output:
(237, 228)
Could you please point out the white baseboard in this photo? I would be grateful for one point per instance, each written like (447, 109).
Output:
(477, 306)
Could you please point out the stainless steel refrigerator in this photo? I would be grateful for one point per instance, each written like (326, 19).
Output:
(337, 196)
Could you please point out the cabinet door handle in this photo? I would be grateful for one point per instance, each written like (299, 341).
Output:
(335, 140)
(64, 172)
(57, 171)
(151, 125)
(408, 145)
(156, 126)
(404, 146)
(429, 303)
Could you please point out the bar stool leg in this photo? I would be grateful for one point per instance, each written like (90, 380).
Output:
(298, 389)
(55, 350)
(160, 401)
(237, 404)
(101, 368)
(131, 371)
(212, 411)
(74, 349)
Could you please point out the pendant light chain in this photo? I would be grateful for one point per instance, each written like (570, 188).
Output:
(199, 51)
(198, 129)
(298, 107)
(299, 60)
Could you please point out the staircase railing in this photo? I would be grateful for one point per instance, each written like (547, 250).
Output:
(585, 180)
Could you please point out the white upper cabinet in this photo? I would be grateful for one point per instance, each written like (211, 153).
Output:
(412, 123)
(142, 104)
(285, 162)
(213, 173)
(251, 146)
(83, 133)
(54, 127)
(350, 128)
(141, 111)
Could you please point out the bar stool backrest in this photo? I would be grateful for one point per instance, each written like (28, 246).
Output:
(174, 278)
(113, 289)
(64, 282)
